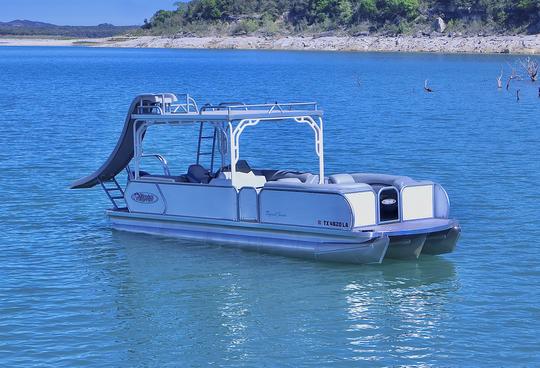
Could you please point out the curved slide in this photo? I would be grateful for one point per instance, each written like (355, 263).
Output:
(123, 152)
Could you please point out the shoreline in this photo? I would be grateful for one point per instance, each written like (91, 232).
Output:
(524, 44)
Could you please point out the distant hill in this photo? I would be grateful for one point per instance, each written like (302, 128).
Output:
(32, 28)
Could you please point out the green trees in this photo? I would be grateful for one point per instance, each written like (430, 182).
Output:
(286, 16)
(524, 12)
(366, 9)
(401, 8)
(204, 10)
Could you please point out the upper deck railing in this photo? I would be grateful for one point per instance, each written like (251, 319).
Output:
(168, 103)
(267, 107)
(184, 108)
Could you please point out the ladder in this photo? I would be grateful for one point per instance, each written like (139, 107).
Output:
(114, 192)
(206, 136)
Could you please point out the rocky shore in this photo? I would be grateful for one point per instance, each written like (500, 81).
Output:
(526, 44)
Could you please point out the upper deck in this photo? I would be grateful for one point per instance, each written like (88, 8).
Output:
(170, 108)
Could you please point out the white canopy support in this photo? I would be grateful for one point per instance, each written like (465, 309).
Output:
(139, 127)
(235, 133)
(319, 143)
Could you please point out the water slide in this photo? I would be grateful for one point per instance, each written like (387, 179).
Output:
(123, 152)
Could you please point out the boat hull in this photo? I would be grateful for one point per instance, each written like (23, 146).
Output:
(329, 246)
(406, 240)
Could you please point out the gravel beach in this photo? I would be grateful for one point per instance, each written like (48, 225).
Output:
(524, 44)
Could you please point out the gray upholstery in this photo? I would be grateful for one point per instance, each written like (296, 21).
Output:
(178, 179)
(221, 182)
(304, 177)
(324, 188)
(312, 179)
(290, 180)
(383, 179)
(241, 166)
(341, 179)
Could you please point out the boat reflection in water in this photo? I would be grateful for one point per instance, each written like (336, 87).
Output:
(204, 305)
(399, 313)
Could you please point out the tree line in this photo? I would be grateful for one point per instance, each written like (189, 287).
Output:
(348, 16)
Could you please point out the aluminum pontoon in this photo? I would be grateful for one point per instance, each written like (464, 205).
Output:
(353, 218)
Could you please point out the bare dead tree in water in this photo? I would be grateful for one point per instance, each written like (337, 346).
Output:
(499, 80)
(513, 76)
(531, 67)
(426, 88)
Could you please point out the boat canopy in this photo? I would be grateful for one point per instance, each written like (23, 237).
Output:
(230, 119)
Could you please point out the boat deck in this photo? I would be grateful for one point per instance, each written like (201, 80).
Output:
(430, 225)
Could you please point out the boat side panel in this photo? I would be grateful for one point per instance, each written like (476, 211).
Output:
(248, 199)
(441, 202)
(324, 210)
(363, 205)
(144, 197)
(194, 200)
(417, 202)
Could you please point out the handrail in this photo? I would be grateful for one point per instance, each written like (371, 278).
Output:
(161, 159)
(163, 108)
(189, 105)
(270, 107)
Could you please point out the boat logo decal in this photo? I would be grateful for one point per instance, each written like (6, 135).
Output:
(144, 197)
(388, 201)
(274, 214)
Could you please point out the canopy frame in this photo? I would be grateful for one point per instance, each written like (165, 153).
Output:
(230, 121)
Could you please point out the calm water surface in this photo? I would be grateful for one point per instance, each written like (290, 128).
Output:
(75, 293)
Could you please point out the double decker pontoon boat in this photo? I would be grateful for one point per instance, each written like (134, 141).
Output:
(353, 218)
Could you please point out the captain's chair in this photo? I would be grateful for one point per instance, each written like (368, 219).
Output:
(198, 174)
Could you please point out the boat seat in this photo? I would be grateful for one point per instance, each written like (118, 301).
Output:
(169, 178)
(383, 179)
(241, 166)
(341, 179)
(289, 180)
(198, 174)
(321, 188)
(304, 177)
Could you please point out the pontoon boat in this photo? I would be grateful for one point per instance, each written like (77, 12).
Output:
(354, 218)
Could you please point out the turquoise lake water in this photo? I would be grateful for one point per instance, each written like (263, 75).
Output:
(75, 293)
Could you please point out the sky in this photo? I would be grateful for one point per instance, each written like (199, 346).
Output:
(82, 12)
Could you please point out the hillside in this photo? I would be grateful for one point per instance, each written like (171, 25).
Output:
(31, 28)
(347, 17)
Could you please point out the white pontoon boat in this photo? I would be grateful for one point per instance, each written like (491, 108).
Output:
(354, 218)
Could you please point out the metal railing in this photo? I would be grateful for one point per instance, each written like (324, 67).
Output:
(162, 160)
(187, 105)
(268, 107)
(170, 105)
